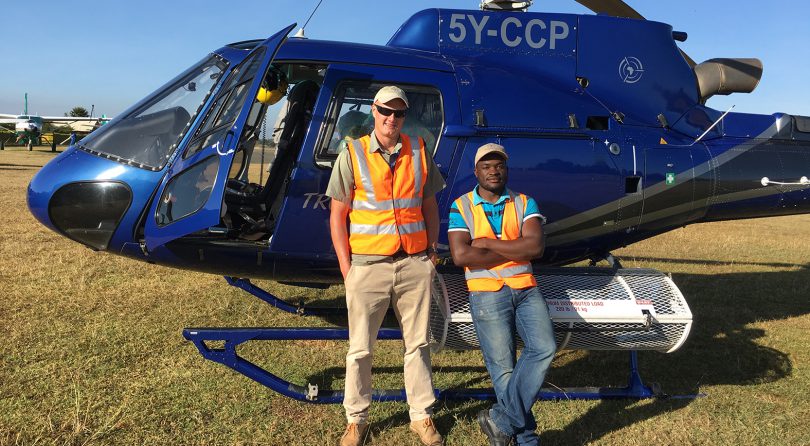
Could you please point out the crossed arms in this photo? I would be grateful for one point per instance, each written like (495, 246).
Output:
(486, 252)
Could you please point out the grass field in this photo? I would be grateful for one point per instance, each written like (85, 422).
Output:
(93, 355)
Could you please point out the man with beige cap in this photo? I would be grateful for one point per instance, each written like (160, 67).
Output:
(384, 222)
(494, 234)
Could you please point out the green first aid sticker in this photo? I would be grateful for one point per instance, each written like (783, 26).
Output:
(670, 178)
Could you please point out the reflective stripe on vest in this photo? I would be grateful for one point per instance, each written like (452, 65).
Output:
(386, 213)
(517, 275)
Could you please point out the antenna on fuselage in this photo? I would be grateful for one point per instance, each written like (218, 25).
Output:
(712, 126)
(300, 33)
(504, 5)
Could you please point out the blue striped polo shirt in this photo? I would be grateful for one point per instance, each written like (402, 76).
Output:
(494, 212)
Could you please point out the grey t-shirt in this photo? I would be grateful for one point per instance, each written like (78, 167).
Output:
(341, 183)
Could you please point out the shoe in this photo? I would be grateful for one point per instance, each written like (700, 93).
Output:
(354, 434)
(495, 436)
(427, 432)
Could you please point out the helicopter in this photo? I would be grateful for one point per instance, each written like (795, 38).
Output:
(614, 141)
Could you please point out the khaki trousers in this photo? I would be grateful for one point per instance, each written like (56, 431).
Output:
(405, 284)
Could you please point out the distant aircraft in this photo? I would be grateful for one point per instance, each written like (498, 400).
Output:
(28, 128)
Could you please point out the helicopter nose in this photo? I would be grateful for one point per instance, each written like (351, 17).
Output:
(86, 211)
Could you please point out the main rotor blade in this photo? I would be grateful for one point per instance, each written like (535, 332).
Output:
(615, 8)
(618, 8)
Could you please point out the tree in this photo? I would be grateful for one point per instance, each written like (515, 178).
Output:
(79, 112)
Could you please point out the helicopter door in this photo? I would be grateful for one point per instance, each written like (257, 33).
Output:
(343, 111)
(669, 193)
(190, 197)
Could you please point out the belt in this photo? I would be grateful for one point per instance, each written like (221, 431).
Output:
(401, 254)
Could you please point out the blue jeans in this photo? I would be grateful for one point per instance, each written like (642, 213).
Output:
(496, 316)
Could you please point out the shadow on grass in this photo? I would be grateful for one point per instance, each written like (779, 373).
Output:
(333, 311)
(712, 262)
(723, 349)
(446, 416)
(7, 166)
(326, 377)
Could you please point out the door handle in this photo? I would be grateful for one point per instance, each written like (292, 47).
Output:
(218, 148)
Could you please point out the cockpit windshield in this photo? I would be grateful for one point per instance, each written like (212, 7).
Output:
(147, 134)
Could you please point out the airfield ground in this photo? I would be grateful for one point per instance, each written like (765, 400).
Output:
(92, 352)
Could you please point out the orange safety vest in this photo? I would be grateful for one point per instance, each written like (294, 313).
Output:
(386, 213)
(517, 275)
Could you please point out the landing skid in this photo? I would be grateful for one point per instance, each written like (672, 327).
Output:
(311, 393)
(231, 338)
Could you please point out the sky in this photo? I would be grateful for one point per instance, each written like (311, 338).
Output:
(108, 55)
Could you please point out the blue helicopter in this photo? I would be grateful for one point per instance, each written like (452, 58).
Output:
(614, 141)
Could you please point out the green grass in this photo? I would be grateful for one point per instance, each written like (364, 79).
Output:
(93, 352)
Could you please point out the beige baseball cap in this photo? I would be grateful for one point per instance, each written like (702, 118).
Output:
(490, 148)
(389, 93)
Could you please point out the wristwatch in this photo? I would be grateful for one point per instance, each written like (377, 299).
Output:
(430, 250)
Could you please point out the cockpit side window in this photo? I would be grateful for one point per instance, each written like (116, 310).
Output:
(349, 116)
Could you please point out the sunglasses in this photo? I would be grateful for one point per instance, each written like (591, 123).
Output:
(387, 111)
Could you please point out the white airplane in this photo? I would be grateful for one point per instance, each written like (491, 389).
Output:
(28, 128)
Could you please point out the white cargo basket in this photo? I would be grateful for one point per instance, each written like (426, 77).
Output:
(591, 308)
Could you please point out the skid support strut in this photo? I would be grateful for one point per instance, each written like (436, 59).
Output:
(233, 337)
(246, 285)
